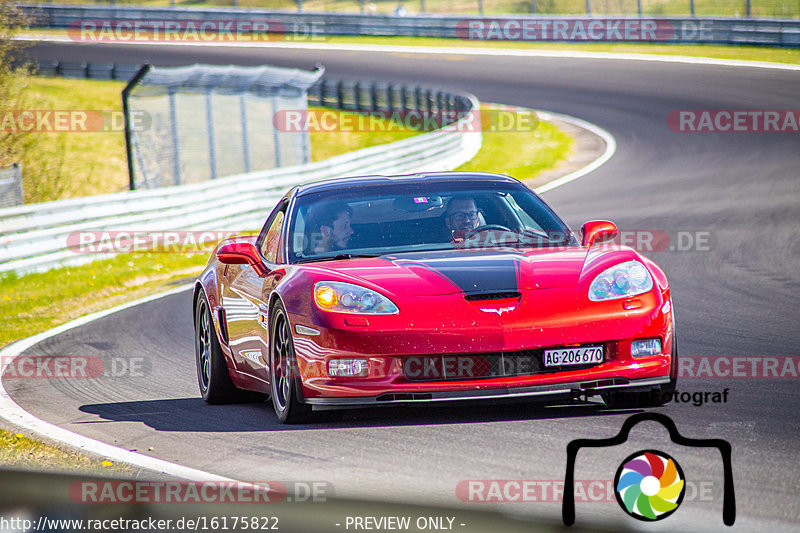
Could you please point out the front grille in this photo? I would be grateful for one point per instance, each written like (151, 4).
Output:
(491, 296)
(456, 367)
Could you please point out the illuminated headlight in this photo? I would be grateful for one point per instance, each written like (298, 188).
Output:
(348, 298)
(348, 368)
(645, 347)
(620, 281)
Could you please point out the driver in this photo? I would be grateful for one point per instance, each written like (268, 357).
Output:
(331, 224)
(462, 214)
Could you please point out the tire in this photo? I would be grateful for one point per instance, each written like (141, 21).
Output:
(284, 381)
(213, 378)
(655, 397)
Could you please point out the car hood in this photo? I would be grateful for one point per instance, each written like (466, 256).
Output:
(467, 272)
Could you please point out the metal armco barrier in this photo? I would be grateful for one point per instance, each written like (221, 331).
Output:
(290, 26)
(36, 237)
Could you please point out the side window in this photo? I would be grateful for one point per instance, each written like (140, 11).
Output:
(269, 248)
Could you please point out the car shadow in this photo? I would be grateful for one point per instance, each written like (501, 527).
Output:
(192, 414)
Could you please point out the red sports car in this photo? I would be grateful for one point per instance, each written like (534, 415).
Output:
(430, 287)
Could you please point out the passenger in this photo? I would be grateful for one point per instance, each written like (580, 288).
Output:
(329, 227)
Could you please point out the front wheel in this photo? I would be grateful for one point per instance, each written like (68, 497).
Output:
(284, 380)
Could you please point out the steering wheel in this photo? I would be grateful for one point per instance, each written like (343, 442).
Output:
(488, 227)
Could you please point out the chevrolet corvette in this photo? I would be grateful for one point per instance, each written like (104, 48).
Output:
(447, 286)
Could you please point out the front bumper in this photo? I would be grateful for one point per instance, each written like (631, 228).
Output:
(588, 387)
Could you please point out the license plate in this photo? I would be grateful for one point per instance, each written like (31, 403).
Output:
(581, 355)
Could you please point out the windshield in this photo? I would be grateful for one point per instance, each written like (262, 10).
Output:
(394, 218)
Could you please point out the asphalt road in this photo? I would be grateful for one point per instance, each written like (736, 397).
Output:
(738, 298)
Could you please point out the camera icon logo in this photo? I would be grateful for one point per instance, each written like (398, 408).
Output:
(649, 485)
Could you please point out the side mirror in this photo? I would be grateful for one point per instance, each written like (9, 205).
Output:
(597, 231)
(241, 253)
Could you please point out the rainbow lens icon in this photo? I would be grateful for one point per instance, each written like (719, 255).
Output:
(649, 485)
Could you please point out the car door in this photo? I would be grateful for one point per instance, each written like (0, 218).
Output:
(251, 292)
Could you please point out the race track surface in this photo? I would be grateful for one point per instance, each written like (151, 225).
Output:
(738, 298)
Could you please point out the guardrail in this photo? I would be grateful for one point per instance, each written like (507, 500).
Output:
(294, 26)
(41, 236)
(95, 71)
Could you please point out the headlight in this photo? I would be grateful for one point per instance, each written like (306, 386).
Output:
(620, 281)
(348, 298)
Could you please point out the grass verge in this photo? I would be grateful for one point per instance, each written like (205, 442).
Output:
(21, 452)
(520, 153)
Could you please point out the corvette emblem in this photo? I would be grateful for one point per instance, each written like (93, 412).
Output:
(499, 311)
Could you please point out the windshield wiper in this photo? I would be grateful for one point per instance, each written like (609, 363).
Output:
(534, 233)
(337, 257)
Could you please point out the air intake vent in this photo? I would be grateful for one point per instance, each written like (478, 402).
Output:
(491, 296)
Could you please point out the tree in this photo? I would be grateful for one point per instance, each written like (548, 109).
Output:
(11, 19)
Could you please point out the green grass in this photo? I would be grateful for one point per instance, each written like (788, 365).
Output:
(326, 144)
(36, 302)
(74, 167)
(20, 451)
(759, 8)
(521, 154)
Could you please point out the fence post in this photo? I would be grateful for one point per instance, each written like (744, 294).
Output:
(691, 7)
(373, 97)
(639, 7)
(176, 148)
(748, 8)
(276, 139)
(480, 7)
(212, 142)
(422, 6)
(128, 147)
(533, 7)
(588, 7)
(245, 132)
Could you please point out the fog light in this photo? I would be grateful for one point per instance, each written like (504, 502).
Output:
(646, 347)
(348, 367)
